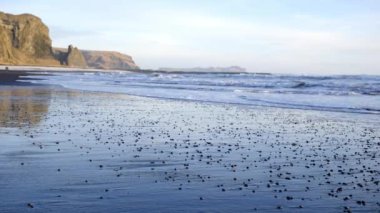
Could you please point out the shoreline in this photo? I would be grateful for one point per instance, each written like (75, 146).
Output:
(10, 77)
(336, 114)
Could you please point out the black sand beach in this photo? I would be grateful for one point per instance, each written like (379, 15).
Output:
(11, 77)
(73, 151)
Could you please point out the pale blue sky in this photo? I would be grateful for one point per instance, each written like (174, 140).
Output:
(280, 36)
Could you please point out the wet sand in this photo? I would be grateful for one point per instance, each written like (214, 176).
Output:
(73, 151)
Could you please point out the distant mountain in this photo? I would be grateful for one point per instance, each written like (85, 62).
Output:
(236, 69)
(109, 60)
(25, 40)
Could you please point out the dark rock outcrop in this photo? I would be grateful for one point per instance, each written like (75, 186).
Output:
(71, 57)
(75, 58)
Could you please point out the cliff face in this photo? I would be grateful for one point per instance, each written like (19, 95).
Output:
(109, 60)
(24, 39)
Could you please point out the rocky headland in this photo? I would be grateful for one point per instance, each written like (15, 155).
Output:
(108, 60)
(25, 40)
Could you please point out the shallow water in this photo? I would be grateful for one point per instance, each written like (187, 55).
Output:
(94, 152)
(356, 94)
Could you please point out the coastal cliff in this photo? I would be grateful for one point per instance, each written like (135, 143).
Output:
(25, 40)
(109, 60)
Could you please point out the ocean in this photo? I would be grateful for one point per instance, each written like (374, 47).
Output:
(339, 93)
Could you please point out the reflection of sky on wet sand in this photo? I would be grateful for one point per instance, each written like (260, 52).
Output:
(23, 106)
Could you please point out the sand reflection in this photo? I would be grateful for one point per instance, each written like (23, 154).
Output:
(23, 106)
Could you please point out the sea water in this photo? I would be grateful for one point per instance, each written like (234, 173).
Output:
(341, 93)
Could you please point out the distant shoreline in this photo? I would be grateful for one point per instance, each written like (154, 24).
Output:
(192, 72)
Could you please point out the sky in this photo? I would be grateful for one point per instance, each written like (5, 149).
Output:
(277, 36)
